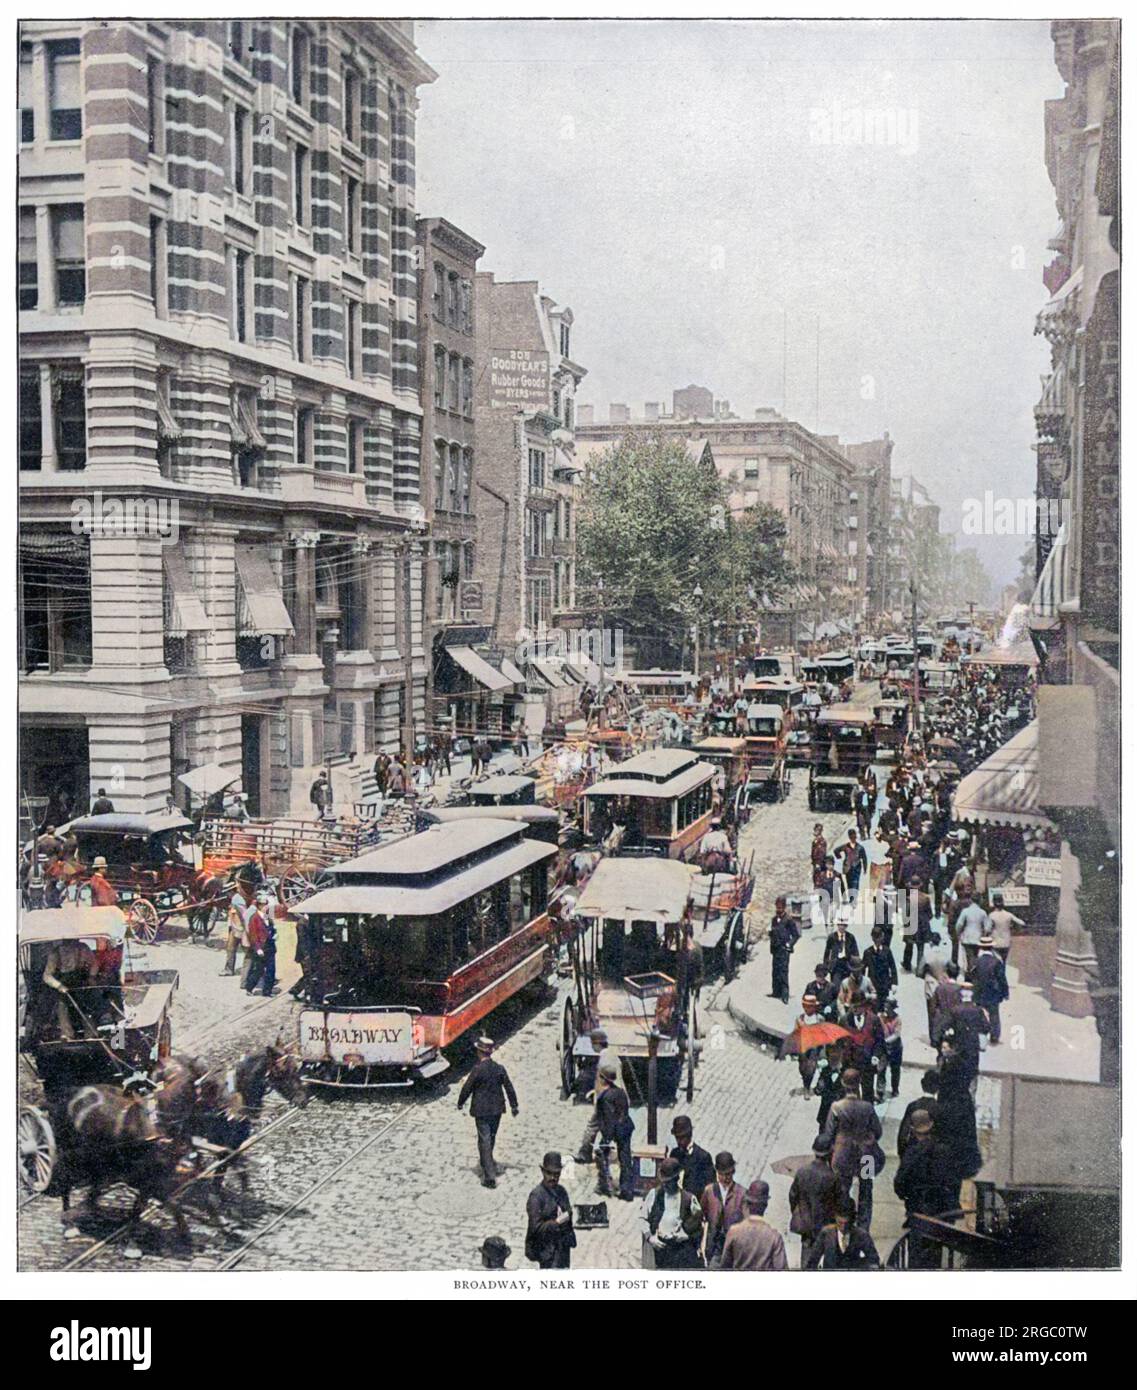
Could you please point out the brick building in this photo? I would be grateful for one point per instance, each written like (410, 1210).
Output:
(217, 326)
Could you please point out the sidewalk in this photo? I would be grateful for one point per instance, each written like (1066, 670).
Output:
(1036, 1040)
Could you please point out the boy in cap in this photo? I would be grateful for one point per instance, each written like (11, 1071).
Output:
(752, 1243)
(549, 1236)
(672, 1221)
(486, 1087)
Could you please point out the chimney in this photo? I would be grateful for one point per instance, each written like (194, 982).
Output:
(651, 410)
(618, 413)
(584, 414)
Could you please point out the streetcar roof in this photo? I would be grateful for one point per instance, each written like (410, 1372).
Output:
(721, 745)
(637, 889)
(531, 815)
(764, 712)
(691, 775)
(437, 850)
(432, 897)
(71, 923)
(501, 785)
(123, 823)
(845, 714)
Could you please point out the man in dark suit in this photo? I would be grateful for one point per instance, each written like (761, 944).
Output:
(930, 1084)
(880, 966)
(814, 1195)
(549, 1236)
(696, 1166)
(723, 1203)
(486, 1088)
(616, 1126)
(840, 948)
(925, 1183)
(944, 999)
(844, 1245)
(784, 936)
(965, 1025)
(989, 983)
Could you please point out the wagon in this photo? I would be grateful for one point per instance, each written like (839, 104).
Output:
(86, 1016)
(630, 974)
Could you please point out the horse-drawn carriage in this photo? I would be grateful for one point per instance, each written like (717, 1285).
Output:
(767, 729)
(86, 1016)
(633, 975)
(844, 745)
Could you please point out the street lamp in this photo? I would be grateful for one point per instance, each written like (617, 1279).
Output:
(697, 594)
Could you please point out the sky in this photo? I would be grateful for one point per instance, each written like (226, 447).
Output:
(848, 219)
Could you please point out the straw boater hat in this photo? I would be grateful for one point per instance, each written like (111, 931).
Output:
(99, 862)
(986, 940)
(484, 1044)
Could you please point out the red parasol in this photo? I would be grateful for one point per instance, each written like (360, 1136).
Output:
(806, 1036)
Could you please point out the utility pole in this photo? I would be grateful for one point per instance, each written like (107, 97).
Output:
(600, 604)
(913, 589)
(410, 549)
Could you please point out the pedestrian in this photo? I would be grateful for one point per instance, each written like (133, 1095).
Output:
(1002, 924)
(818, 852)
(954, 1116)
(945, 997)
(828, 891)
(486, 1088)
(265, 907)
(102, 804)
(784, 936)
(257, 930)
(549, 1236)
(880, 966)
(752, 1244)
(840, 948)
(927, 1103)
(814, 1194)
(854, 1129)
(103, 892)
(808, 1057)
(829, 1086)
(822, 990)
(672, 1222)
(494, 1252)
(893, 1047)
(381, 769)
(723, 1207)
(865, 1044)
(989, 984)
(971, 924)
(854, 863)
(844, 1244)
(923, 1183)
(603, 1055)
(616, 1126)
(918, 924)
(967, 1026)
(320, 795)
(239, 904)
(695, 1163)
(396, 779)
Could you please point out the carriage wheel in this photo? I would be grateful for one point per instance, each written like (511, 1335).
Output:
(692, 1023)
(736, 945)
(165, 1040)
(296, 884)
(142, 918)
(35, 1149)
(202, 921)
(568, 1039)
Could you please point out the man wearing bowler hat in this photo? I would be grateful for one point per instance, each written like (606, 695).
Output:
(549, 1236)
(752, 1243)
(673, 1222)
(494, 1252)
(814, 1194)
(722, 1207)
(486, 1088)
(695, 1163)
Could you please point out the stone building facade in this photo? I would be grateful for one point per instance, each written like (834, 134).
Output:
(217, 336)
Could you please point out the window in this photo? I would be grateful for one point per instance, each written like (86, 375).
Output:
(538, 602)
(158, 265)
(241, 146)
(300, 191)
(28, 260)
(566, 523)
(454, 479)
(240, 294)
(69, 399)
(353, 341)
(55, 583)
(70, 254)
(64, 89)
(27, 95)
(536, 468)
(465, 484)
(568, 412)
(31, 420)
(557, 402)
(239, 47)
(437, 304)
(454, 393)
(469, 560)
(168, 431)
(305, 435)
(536, 524)
(301, 318)
(155, 107)
(466, 297)
(452, 294)
(439, 377)
(467, 387)
(298, 65)
(439, 474)
(565, 340)
(750, 468)
(246, 441)
(355, 447)
(351, 104)
(351, 214)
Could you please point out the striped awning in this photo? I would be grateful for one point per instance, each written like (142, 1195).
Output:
(186, 611)
(261, 611)
(1004, 789)
(478, 667)
(1052, 589)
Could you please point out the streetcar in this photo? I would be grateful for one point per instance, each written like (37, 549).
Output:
(659, 802)
(659, 689)
(844, 744)
(775, 690)
(767, 729)
(890, 727)
(414, 943)
(502, 790)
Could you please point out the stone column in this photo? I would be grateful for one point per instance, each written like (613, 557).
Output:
(49, 462)
(361, 556)
(45, 260)
(304, 590)
(1075, 961)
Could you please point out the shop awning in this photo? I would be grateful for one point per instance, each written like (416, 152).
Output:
(1004, 789)
(1059, 301)
(243, 423)
(1051, 591)
(260, 609)
(478, 667)
(169, 431)
(512, 673)
(187, 612)
(549, 674)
